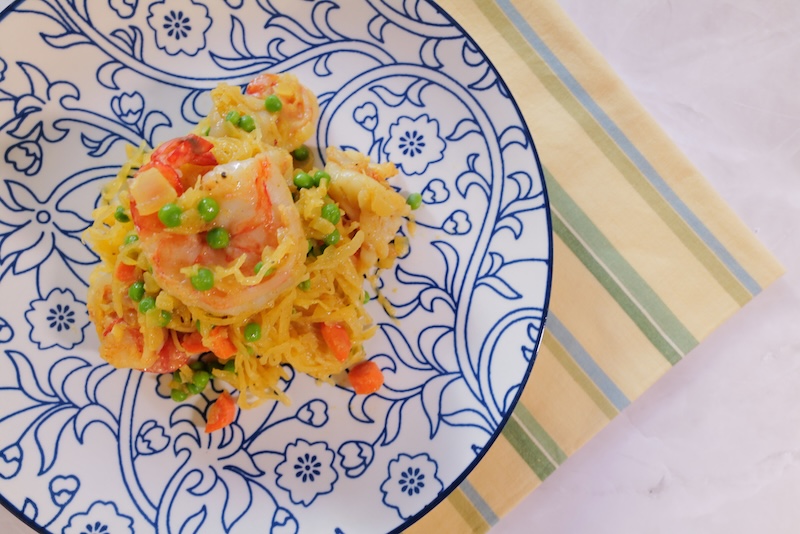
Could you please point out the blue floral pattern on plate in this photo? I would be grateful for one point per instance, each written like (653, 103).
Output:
(411, 483)
(414, 144)
(57, 320)
(397, 80)
(100, 518)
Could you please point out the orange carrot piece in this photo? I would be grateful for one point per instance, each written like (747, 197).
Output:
(221, 413)
(125, 273)
(366, 378)
(220, 344)
(337, 339)
(193, 343)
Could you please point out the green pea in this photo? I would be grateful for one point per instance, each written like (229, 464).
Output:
(319, 176)
(365, 298)
(170, 214)
(260, 265)
(132, 238)
(330, 212)
(164, 318)
(414, 200)
(147, 304)
(301, 153)
(193, 389)
(136, 291)
(303, 180)
(218, 238)
(197, 366)
(305, 285)
(247, 123)
(230, 366)
(332, 238)
(178, 395)
(203, 280)
(273, 104)
(233, 117)
(120, 215)
(201, 378)
(252, 331)
(208, 208)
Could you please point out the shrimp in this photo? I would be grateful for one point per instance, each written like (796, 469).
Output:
(123, 346)
(361, 190)
(299, 105)
(181, 160)
(257, 212)
(173, 167)
(287, 128)
(122, 343)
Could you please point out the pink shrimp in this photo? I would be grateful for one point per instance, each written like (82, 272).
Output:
(184, 159)
(256, 209)
(298, 114)
(360, 188)
(123, 346)
(122, 343)
(180, 162)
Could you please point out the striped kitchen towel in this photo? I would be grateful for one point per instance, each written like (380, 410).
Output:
(648, 259)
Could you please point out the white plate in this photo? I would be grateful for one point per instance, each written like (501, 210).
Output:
(83, 444)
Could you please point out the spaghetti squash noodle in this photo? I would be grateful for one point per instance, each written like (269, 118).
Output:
(226, 254)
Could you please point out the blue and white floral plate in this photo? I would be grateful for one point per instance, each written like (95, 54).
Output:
(87, 448)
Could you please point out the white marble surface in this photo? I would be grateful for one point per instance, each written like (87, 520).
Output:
(714, 447)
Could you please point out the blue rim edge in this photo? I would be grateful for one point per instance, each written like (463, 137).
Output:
(545, 306)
